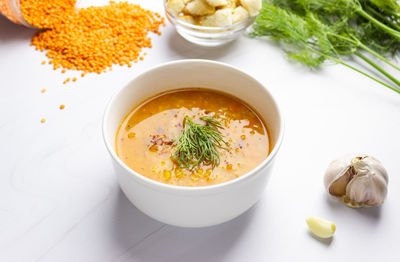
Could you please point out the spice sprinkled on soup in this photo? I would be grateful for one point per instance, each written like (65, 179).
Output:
(192, 137)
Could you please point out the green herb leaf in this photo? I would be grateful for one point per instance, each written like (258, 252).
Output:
(199, 143)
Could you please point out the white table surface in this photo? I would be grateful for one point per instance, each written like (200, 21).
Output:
(59, 197)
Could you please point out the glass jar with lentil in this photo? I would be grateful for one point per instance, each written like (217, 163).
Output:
(34, 13)
(11, 9)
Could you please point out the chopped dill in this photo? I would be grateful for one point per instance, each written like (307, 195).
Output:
(198, 143)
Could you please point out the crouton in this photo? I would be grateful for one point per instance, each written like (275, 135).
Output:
(187, 18)
(239, 14)
(175, 6)
(222, 17)
(252, 6)
(216, 3)
(232, 4)
(199, 7)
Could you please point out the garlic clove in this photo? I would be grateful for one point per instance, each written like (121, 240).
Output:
(336, 169)
(370, 186)
(364, 191)
(321, 227)
(338, 186)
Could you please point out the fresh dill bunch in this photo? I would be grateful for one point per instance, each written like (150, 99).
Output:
(387, 12)
(289, 28)
(376, 39)
(379, 41)
(281, 24)
(291, 5)
(343, 7)
(348, 8)
(314, 35)
(198, 143)
(359, 32)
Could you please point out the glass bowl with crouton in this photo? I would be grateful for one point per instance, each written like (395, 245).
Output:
(211, 22)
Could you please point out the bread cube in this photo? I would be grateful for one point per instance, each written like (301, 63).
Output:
(252, 6)
(222, 17)
(232, 4)
(216, 3)
(199, 7)
(175, 6)
(187, 18)
(239, 14)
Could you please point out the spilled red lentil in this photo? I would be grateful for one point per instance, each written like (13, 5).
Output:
(95, 38)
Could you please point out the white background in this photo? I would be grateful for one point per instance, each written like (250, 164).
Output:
(60, 201)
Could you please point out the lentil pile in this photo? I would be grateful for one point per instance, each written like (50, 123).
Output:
(91, 39)
(94, 38)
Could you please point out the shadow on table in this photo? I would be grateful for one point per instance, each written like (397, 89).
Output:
(371, 214)
(188, 50)
(169, 243)
(10, 32)
(324, 241)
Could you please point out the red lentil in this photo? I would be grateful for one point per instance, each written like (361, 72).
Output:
(93, 39)
(67, 80)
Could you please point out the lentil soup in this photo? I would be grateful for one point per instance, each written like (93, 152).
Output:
(145, 139)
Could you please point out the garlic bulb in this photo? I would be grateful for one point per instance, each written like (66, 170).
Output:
(358, 180)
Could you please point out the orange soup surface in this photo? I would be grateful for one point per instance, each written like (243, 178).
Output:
(145, 139)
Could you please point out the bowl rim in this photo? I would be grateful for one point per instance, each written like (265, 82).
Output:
(175, 188)
(218, 29)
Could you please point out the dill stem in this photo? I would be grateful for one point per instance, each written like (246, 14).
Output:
(372, 52)
(351, 67)
(382, 17)
(366, 59)
(359, 44)
(376, 22)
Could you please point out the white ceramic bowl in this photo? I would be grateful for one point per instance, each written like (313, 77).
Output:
(193, 206)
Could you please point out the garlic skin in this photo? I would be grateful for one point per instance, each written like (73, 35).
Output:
(358, 180)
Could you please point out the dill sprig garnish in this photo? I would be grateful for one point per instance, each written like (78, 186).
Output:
(198, 143)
